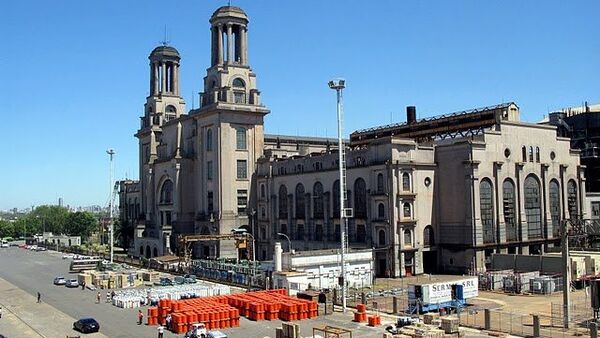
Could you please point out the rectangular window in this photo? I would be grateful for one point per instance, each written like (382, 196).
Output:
(240, 136)
(300, 232)
(167, 218)
(595, 210)
(242, 170)
(242, 201)
(239, 97)
(210, 201)
(209, 170)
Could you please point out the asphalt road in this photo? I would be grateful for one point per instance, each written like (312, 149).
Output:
(34, 272)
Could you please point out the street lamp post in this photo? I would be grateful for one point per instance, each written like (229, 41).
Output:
(253, 256)
(288, 239)
(111, 153)
(338, 85)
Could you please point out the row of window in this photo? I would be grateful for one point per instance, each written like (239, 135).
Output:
(241, 140)
(533, 207)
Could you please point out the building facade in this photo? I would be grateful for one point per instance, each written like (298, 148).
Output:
(436, 194)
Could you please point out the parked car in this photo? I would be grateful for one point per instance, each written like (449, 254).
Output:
(216, 334)
(179, 280)
(190, 279)
(4, 245)
(60, 280)
(40, 248)
(198, 330)
(68, 256)
(86, 325)
(72, 283)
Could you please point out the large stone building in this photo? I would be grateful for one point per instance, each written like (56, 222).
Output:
(437, 194)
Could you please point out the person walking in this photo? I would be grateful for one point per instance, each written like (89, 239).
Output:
(168, 321)
(161, 331)
(140, 316)
(98, 298)
(39, 297)
(82, 285)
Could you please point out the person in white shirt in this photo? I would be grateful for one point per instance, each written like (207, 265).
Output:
(161, 331)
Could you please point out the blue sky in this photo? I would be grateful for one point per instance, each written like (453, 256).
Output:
(75, 73)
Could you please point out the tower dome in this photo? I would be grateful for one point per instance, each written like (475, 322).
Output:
(164, 52)
(229, 12)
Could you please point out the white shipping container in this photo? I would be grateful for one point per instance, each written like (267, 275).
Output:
(441, 292)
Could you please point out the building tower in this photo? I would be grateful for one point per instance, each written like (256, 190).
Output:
(163, 104)
(230, 122)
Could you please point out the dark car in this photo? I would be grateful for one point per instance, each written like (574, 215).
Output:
(86, 325)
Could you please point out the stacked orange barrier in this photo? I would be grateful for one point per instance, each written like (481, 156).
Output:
(219, 312)
(374, 320)
(360, 315)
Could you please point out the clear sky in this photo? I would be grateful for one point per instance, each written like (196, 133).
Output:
(75, 73)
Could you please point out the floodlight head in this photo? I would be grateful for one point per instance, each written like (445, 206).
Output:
(110, 151)
(337, 84)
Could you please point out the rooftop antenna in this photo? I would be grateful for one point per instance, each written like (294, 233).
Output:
(193, 97)
(165, 42)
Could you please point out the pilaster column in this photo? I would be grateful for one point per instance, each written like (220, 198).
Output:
(175, 73)
(244, 48)
(547, 216)
(220, 44)
(229, 45)
(155, 78)
(177, 192)
(164, 77)
(522, 217)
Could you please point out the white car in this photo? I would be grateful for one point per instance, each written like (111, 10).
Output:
(68, 256)
(4, 245)
(60, 281)
(72, 283)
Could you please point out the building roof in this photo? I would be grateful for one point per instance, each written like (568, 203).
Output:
(228, 9)
(164, 50)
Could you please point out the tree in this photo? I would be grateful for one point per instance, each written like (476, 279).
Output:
(7, 229)
(124, 233)
(80, 224)
(50, 218)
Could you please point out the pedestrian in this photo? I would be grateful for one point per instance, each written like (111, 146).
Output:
(140, 316)
(0, 312)
(82, 285)
(98, 298)
(108, 299)
(112, 295)
(39, 297)
(168, 321)
(161, 331)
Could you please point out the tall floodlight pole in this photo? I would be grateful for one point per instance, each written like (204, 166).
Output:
(338, 85)
(111, 153)
(566, 273)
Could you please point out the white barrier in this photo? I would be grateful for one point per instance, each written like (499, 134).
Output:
(132, 298)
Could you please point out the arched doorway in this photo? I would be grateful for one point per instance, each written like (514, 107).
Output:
(148, 251)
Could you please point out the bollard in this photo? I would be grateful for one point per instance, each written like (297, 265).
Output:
(363, 298)
(593, 330)
(536, 325)
(488, 319)
(395, 304)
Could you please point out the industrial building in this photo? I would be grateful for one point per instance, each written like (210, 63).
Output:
(428, 195)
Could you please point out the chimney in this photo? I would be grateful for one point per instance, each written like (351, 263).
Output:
(411, 114)
(277, 256)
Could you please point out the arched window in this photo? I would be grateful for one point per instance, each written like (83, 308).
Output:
(487, 210)
(407, 238)
(554, 192)
(166, 192)
(406, 212)
(318, 200)
(263, 192)
(530, 153)
(537, 154)
(209, 140)
(241, 143)
(300, 201)
(360, 198)
(361, 233)
(508, 204)
(336, 199)
(155, 252)
(524, 153)
(380, 183)
(572, 199)
(428, 239)
(283, 205)
(171, 109)
(238, 83)
(380, 211)
(382, 237)
(405, 182)
(533, 210)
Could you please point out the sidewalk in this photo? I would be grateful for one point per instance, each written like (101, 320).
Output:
(23, 317)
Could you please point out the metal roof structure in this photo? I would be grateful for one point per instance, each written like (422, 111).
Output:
(463, 123)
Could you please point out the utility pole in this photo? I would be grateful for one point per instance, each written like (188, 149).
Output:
(111, 153)
(338, 85)
(566, 273)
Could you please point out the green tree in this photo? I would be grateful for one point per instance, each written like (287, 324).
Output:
(124, 233)
(80, 224)
(7, 229)
(51, 218)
